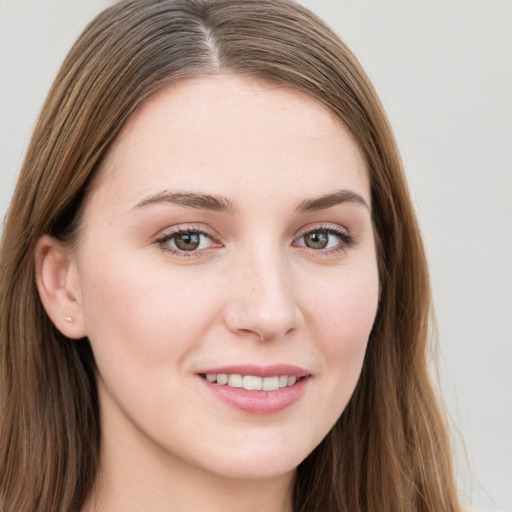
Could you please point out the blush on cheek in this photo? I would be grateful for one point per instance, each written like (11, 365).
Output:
(348, 338)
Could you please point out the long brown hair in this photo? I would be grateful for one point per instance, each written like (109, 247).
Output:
(389, 451)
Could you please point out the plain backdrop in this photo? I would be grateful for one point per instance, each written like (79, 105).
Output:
(443, 70)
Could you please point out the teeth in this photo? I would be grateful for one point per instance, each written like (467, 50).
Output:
(235, 381)
(222, 379)
(252, 382)
(270, 383)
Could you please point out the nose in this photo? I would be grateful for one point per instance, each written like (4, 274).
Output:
(263, 302)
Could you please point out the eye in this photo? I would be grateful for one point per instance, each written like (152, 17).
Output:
(325, 239)
(186, 241)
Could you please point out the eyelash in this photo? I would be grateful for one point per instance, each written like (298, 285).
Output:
(345, 240)
(163, 241)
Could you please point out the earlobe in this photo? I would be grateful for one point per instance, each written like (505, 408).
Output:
(58, 284)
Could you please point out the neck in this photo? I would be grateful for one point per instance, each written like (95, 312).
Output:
(187, 493)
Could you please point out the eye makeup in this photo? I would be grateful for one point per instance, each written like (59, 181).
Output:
(189, 240)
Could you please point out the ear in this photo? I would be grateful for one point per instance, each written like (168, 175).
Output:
(58, 282)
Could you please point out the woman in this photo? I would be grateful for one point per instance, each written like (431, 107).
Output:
(214, 292)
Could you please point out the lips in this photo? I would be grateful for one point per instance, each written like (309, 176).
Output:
(252, 382)
(257, 390)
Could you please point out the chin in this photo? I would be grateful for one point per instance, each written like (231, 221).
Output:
(259, 470)
(257, 463)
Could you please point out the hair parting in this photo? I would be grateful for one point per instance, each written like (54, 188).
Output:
(389, 451)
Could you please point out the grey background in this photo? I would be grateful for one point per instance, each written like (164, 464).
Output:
(444, 73)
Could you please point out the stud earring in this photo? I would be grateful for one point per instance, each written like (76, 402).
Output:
(69, 319)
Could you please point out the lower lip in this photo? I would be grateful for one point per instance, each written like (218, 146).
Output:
(258, 402)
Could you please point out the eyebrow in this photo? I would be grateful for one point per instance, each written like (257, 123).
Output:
(330, 200)
(191, 200)
(222, 204)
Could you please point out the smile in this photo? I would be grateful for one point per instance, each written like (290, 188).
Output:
(257, 389)
(252, 382)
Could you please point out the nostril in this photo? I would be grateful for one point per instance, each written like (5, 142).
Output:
(263, 320)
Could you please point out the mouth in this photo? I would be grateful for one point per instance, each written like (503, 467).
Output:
(257, 390)
(252, 382)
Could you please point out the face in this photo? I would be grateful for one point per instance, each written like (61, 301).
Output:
(228, 237)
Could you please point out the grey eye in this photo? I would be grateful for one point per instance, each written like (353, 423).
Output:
(317, 239)
(323, 238)
(187, 241)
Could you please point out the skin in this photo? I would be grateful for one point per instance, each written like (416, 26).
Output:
(252, 293)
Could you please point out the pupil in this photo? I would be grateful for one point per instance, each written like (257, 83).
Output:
(187, 241)
(316, 240)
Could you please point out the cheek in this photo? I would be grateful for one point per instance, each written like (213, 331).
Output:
(143, 317)
(341, 316)
(344, 305)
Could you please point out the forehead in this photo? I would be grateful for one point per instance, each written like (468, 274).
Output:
(223, 132)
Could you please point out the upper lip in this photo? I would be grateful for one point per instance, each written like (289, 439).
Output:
(259, 371)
